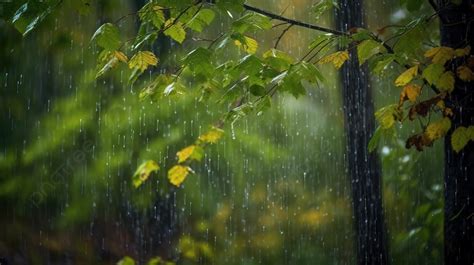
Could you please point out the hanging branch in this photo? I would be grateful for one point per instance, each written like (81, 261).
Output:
(293, 22)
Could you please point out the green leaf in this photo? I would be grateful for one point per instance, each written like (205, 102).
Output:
(175, 30)
(200, 61)
(203, 18)
(152, 13)
(367, 49)
(461, 136)
(433, 72)
(143, 172)
(107, 36)
(324, 6)
(231, 5)
(277, 59)
(446, 82)
(387, 116)
(251, 21)
(381, 63)
(375, 139)
(156, 87)
(126, 261)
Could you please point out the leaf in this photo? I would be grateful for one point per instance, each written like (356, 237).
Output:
(440, 55)
(367, 49)
(200, 61)
(177, 174)
(251, 21)
(446, 82)
(151, 12)
(175, 30)
(462, 52)
(387, 116)
(121, 56)
(212, 136)
(410, 92)
(126, 261)
(143, 172)
(277, 59)
(247, 44)
(203, 18)
(191, 152)
(406, 76)
(381, 64)
(375, 139)
(337, 58)
(142, 59)
(461, 136)
(432, 73)
(323, 6)
(107, 36)
(465, 73)
(438, 129)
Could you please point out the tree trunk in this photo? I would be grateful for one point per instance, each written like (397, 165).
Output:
(457, 31)
(363, 167)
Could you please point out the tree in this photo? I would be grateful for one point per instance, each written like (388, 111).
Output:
(364, 167)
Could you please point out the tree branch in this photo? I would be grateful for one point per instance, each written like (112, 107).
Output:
(293, 22)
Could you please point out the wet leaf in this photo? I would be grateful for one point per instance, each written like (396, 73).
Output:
(126, 261)
(202, 19)
(337, 58)
(461, 136)
(107, 36)
(247, 44)
(142, 59)
(212, 136)
(433, 72)
(191, 152)
(175, 30)
(440, 55)
(446, 82)
(407, 76)
(465, 73)
(151, 12)
(143, 172)
(438, 129)
(387, 116)
(177, 174)
(462, 52)
(410, 92)
(367, 49)
(121, 56)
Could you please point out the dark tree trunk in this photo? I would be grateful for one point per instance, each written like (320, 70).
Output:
(364, 167)
(457, 30)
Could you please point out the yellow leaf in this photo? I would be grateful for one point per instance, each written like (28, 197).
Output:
(460, 138)
(121, 56)
(411, 92)
(143, 172)
(446, 81)
(250, 46)
(212, 136)
(337, 58)
(407, 76)
(190, 152)
(462, 52)
(142, 59)
(438, 129)
(177, 174)
(440, 55)
(465, 73)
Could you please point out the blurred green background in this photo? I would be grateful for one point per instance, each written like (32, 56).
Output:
(274, 191)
